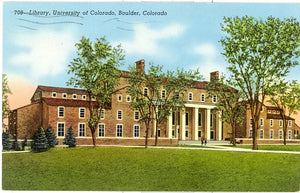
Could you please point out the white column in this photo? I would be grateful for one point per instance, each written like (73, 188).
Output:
(170, 125)
(208, 124)
(220, 126)
(154, 122)
(183, 124)
(196, 112)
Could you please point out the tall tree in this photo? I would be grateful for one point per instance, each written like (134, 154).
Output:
(260, 53)
(153, 94)
(287, 100)
(229, 103)
(5, 106)
(96, 70)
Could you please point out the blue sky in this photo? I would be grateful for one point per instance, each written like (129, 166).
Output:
(38, 49)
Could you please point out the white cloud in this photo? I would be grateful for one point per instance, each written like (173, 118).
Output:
(44, 52)
(146, 40)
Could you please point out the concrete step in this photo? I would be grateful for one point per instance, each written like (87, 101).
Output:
(212, 142)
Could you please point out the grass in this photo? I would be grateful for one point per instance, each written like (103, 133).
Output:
(271, 147)
(139, 169)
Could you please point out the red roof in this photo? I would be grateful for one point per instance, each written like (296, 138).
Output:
(277, 116)
(273, 108)
(63, 90)
(69, 102)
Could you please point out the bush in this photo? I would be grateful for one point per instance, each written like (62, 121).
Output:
(16, 145)
(6, 144)
(51, 137)
(70, 138)
(40, 142)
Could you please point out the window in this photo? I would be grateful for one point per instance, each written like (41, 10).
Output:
(119, 98)
(173, 118)
(119, 115)
(81, 112)
(199, 133)
(74, 96)
(212, 134)
(190, 96)
(186, 118)
(176, 94)
(81, 130)
(261, 122)
(280, 134)
(128, 99)
(60, 129)
(250, 133)
(158, 133)
(54, 94)
(271, 134)
(145, 91)
(202, 97)
(186, 133)
(262, 109)
(289, 134)
(211, 119)
(290, 123)
(136, 116)
(101, 128)
(271, 122)
(119, 130)
(83, 97)
(199, 119)
(93, 98)
(61, 112)
(251, 121)
(102, 114)
(280, 123)
(261, 134)
(163, 94)
(178, 118)
(136, 131)
(64, 95)
(214, 99)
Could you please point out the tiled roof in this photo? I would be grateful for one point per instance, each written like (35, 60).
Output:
(278, 116)
(69, 102)
(273, 108)
(62, 90)
(200, 85)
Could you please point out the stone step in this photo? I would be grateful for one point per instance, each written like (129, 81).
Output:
(212, 142)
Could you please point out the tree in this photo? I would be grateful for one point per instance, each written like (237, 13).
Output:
(260, 54)
(287, 100)
(151, 103)
(95, 69)
(70, 139)
(229, 103)
(5, 92)
(40, 142)
(6, 144)
(51, 137)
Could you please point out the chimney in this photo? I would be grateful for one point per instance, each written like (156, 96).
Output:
(214, 75)
(140, 66)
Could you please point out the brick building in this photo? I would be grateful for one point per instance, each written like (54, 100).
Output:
(61, 108)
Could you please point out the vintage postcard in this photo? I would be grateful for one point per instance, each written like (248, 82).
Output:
(150, 96)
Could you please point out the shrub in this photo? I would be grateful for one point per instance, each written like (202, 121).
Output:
(40, 142)
(51, 137)
(70, 138)
(5, 141)
(16, 145)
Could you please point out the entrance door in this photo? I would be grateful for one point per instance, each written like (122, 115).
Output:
(212, 134)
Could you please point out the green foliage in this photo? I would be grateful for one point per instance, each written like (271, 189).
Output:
(5, 92)
(260, 54)
(70, 139)
(51, 137)
(6, 144)
(40, 142)
(96, 70)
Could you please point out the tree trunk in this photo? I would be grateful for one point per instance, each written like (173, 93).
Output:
(254, 134)
(284, 131)
(93, 136)
(147, 131)
(156, 136)
(233, 134)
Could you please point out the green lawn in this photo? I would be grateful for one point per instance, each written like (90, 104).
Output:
(272, 147)
(139, 169)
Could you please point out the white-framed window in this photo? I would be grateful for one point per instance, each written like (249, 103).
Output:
(102, 114)
(145, 91)
(271, 134)
(251, 121)
(173, 118)
(158, 133)
(199, 133)
(74, 96)
(290, 123)
(61, 112)
(128, 98)
(271, 122)
(186, 133)
(262, 109)
(211, 119)
(136, 131)
(64, 95)
(280, 134)
(119, 130)
(186, 118)
(163, 94)
(83, 97)
(101, 130)
(136, 115)
(81, 129)
(119, 98)
(289, 134)
(202, 97)
(81, 112)
(119, 115)
(261, 122)
(54, 94)
(93, 98)
(214, 99)
(176, 94)
(60, 129)
(199, 119)
(261, 134)
(190, 96)
(250, 133)
(280, 123)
